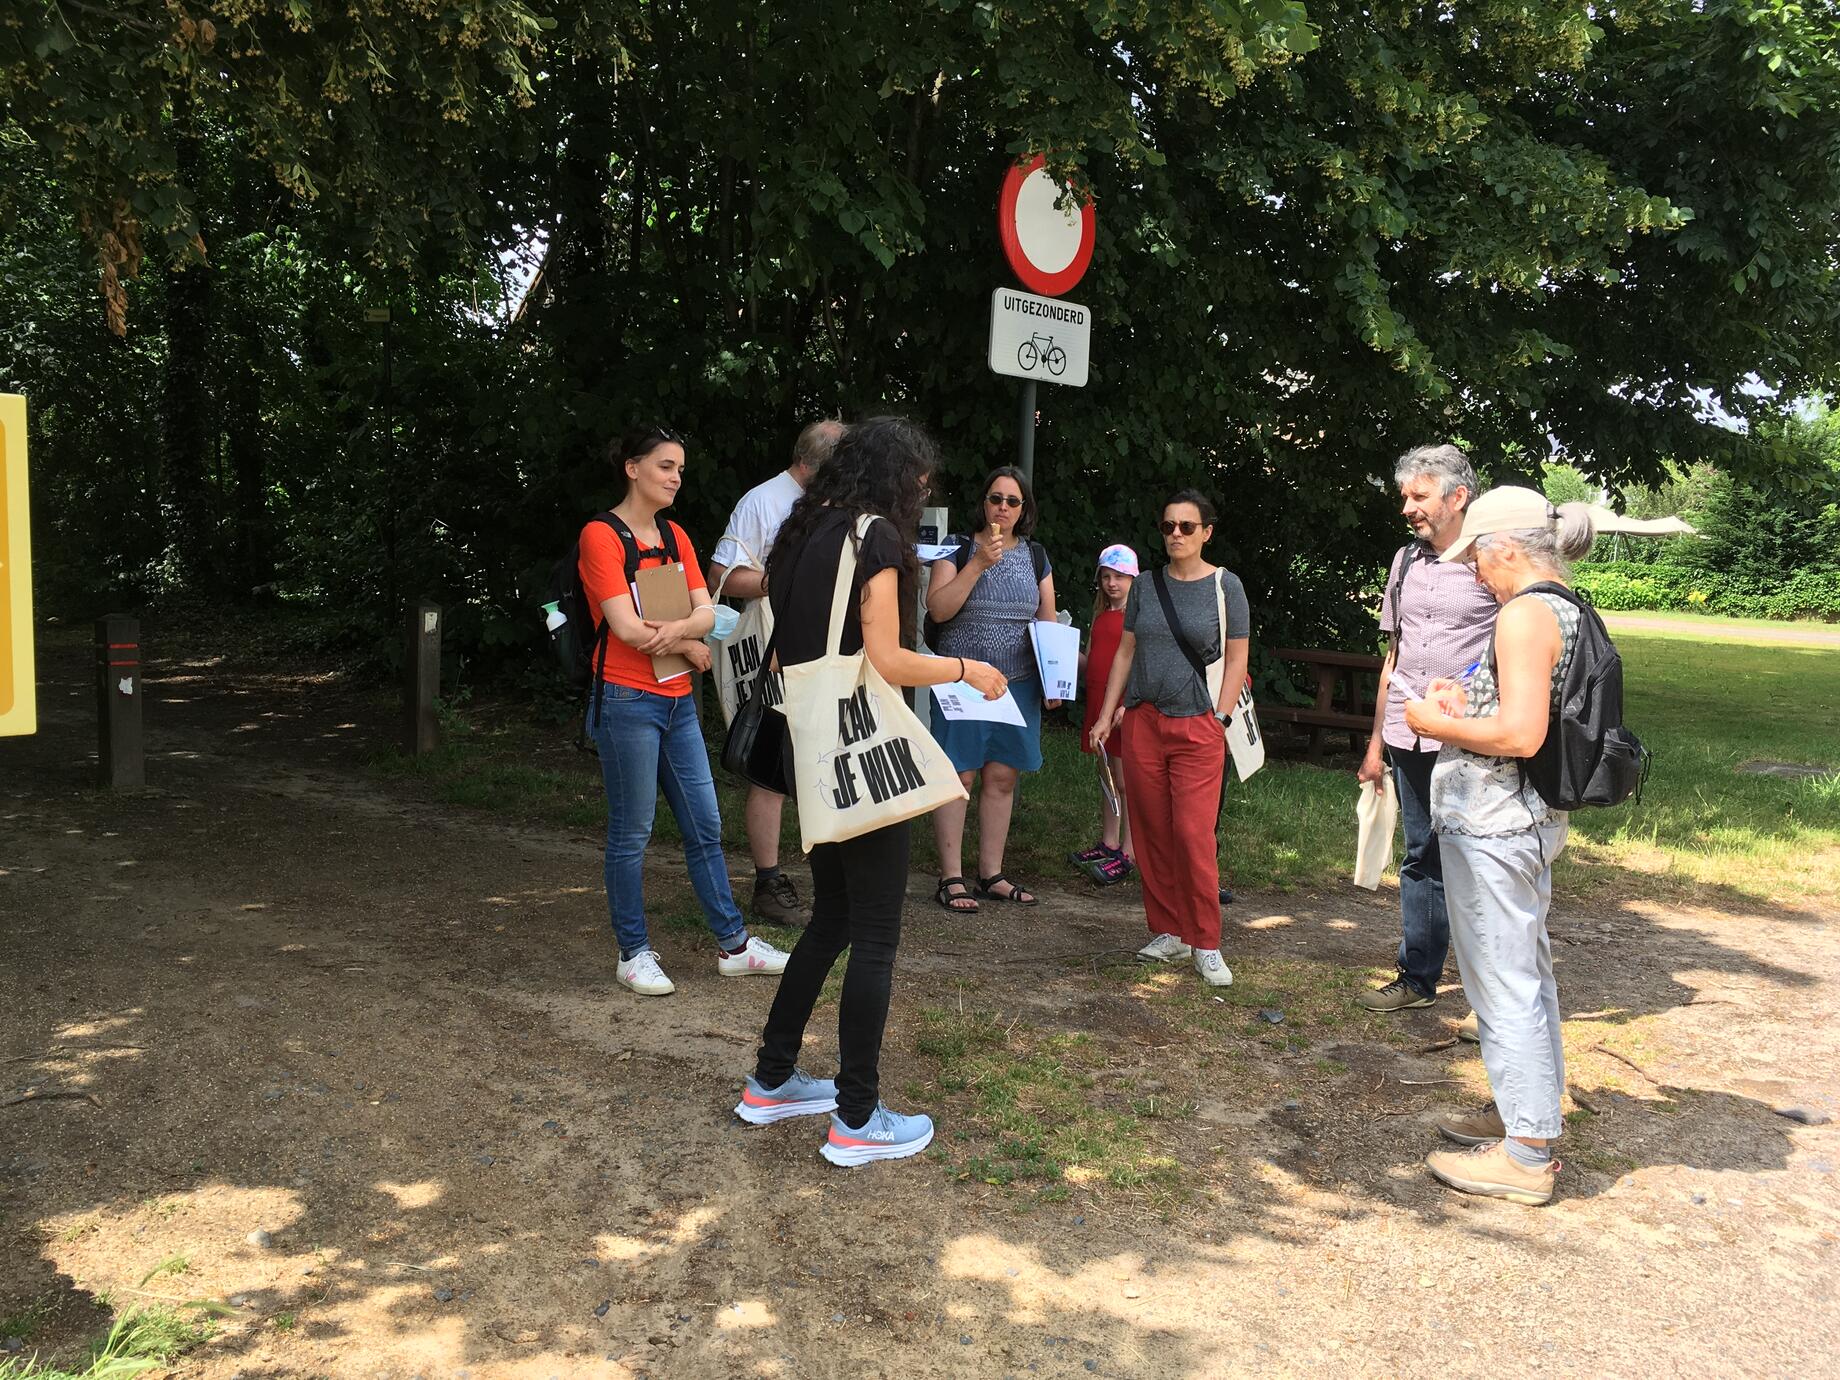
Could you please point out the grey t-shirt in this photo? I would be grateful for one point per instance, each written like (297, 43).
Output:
(1160, 674)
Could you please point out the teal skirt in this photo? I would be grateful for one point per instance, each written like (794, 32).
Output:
(970, 743)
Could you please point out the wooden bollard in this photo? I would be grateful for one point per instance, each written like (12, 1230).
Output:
(422, 680)
(121, 758)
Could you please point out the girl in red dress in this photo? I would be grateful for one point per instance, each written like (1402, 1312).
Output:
(1108, 860)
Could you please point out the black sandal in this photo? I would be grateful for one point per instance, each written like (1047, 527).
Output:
(1016, 893)
(964, 894)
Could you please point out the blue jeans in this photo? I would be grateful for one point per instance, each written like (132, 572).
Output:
(650, 742)
(1424, 923)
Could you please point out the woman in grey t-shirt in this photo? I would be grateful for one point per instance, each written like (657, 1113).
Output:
(1176, 753)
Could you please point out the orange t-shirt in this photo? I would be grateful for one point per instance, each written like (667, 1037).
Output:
(603, 577)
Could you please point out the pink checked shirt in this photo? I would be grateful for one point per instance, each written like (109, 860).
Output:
(1440, 625)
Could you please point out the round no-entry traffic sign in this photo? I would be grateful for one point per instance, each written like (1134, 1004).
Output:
(1048, 247)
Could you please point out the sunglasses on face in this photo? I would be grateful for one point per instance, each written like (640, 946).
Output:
(1004, 500)
(1169, 528)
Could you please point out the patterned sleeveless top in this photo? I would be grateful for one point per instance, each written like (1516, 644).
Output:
(1486, 797)
(993, 624)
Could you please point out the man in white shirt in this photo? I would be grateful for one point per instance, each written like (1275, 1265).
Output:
(742, 555)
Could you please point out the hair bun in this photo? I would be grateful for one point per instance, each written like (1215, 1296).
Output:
(1576, 530)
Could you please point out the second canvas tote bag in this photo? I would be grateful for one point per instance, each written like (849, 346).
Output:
(861, 759)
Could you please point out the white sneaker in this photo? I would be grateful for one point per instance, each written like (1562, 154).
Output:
(1213, 968)
(758, 957)
(1163, 948)
(642, 973)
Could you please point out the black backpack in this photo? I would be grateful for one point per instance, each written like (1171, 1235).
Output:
(580, 643)
(1038, 554)
(1589, 757)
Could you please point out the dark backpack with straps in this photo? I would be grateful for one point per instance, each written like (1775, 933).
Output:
(1589, 757)
(1038, 557)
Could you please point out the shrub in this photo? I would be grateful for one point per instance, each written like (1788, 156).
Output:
(1632, 586)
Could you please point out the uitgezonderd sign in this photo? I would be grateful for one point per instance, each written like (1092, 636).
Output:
(1041, 338)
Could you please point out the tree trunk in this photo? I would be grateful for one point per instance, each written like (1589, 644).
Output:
(188, 430)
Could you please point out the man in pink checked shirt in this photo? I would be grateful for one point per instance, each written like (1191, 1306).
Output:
(1438, 617)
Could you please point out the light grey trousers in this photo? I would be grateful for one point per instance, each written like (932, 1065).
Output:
(1498, 891)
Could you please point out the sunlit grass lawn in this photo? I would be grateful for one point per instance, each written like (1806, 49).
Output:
(1703, 706)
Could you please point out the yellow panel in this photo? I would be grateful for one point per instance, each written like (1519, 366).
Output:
(18, 699)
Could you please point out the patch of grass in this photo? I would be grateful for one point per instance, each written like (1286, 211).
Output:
(1023, 1111)
(172, 1265)
(29, 1319)
(1606, 1162)
(77, 1230)
(141, 1340)
(163, 1208)
(284, 1322)
(1703, 709)
(1316, 1000)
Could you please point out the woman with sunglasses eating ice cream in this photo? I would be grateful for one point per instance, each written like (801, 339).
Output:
(984, 596)
(1186, 623)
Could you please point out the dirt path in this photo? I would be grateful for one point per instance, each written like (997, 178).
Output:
(1805, 635)
(387, 1034)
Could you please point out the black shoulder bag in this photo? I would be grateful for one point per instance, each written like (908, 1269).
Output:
(756, 749)
(756, 746)
(1161, 581)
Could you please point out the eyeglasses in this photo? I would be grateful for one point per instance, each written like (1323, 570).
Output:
(1169, 528)
(1004, 500)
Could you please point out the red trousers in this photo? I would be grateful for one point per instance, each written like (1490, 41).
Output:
(1172, 776)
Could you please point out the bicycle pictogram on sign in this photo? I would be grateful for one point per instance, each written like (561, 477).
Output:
(1042, 349)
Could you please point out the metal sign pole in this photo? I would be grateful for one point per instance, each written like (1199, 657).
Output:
(1025, 435)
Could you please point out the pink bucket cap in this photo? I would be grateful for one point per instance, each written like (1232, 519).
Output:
(1120, 558)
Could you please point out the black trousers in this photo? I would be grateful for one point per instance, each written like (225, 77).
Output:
(858, 889)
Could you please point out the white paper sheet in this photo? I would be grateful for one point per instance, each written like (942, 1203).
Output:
(1057, 656)
(929, 552)
(961, 700)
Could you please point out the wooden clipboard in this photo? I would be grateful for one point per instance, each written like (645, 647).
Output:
(661, 594)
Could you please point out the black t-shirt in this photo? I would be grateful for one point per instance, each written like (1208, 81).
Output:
(802, 607)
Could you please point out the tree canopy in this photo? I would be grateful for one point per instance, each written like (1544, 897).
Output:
(1326, 233)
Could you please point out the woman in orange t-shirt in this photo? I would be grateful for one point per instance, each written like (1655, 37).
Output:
(646, 730)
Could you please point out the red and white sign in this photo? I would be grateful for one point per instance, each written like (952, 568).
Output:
(1048, 246)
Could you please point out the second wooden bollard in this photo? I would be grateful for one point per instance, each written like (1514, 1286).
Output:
(422, 679)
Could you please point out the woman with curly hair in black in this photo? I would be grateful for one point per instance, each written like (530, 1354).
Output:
(879, 467)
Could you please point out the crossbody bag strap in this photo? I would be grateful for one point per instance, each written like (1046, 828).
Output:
(1160, 579)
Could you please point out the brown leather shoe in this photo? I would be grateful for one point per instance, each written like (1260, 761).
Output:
(1397, 995)
(1491, 1172)
(1468, 1030)
(1476, 1128)
(777, 903)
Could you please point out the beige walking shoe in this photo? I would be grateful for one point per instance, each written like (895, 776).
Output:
(1467, 1029)
(1491, 1172)
(1475, 1128)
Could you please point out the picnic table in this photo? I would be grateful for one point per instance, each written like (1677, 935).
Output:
(1341, 698)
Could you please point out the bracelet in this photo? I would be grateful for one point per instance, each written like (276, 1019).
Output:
(961, 668)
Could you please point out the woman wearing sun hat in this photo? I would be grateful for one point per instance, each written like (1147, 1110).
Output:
(1498, 837)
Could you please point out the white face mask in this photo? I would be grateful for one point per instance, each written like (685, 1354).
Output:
(726, 619)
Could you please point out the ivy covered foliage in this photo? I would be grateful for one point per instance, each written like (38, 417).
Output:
(1327, 232)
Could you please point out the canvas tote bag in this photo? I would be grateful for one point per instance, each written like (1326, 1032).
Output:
(861, 760)
(738, 658)
(1377, 814)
